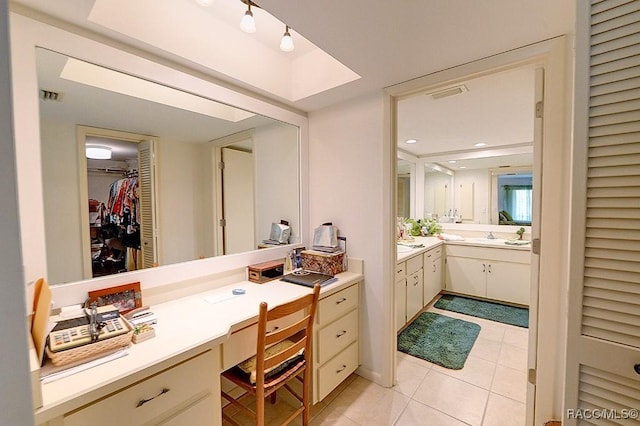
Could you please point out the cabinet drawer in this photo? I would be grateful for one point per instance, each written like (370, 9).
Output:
(336, 336)
(337, 305)
(336, 370)
(242, 343)
(414, 264)
(401, 270)
(162, 392)
(432, 255)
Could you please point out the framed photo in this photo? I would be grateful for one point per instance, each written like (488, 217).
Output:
(124, 297)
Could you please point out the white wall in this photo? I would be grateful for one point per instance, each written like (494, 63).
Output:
(346, 186)
(15, 391)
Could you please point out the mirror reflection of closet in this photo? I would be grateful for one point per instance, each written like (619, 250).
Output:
(120, 194)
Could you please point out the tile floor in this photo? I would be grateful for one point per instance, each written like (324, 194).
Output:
(490, 390)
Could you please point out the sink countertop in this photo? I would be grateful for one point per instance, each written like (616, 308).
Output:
(432, 242)
(427, 242)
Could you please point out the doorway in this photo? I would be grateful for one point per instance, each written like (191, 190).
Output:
(118, 186)
(474, 170)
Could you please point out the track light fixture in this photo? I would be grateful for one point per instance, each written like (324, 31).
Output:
(247, 23)
(286, 44)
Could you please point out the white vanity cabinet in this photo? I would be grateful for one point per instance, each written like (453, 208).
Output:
(335, 340)
(409, 289)
(432, 274)
(185, 393)
(497, 273)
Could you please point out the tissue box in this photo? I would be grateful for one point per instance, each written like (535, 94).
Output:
(325, 263)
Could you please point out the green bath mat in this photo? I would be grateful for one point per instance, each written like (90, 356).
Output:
(439, 339)
(488, 310)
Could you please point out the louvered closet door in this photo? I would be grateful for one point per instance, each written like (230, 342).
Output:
(603, 368)
(147, 181)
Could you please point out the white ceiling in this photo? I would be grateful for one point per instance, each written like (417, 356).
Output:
(384, 42)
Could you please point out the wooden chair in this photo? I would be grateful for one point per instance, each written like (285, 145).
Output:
(281, 355)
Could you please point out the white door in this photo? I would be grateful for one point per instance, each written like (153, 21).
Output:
(603, 345)
(238, 201)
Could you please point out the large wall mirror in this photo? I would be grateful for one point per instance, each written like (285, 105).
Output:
(84, 104)
(473, 141)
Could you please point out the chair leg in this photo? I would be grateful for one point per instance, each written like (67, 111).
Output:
(273, 397)
(260, 407)
(305, 396)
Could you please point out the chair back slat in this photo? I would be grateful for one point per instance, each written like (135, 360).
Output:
(290, 307)
(286, 332)
(284, 355)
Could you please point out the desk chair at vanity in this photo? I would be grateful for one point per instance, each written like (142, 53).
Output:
(281, 355)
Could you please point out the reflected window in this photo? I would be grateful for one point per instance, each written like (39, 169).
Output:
(515, 202)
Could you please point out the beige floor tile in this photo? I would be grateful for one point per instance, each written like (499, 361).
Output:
(511, 383)
(367, 403)
(409, 375)
(445, 393)
(492, 331)
(476, 371)
(503, 411)
(414, 360)
(513, 356)
(420, 414)
(489, 350)
(329, 418)
(518, 338)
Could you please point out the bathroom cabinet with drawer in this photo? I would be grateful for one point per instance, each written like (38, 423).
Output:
(335, 340)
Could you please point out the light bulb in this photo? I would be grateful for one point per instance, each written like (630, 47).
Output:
(286, 44)
(248, 24)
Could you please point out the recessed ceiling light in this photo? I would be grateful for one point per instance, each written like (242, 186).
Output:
(463, 167)
(411, 141)
(480, 144)
(452, 161)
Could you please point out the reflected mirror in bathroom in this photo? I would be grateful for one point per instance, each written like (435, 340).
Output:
(187, 131)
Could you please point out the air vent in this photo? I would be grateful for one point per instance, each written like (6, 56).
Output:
(451, 91)
(49, 95)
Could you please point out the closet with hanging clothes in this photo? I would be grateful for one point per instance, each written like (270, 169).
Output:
(115, 226)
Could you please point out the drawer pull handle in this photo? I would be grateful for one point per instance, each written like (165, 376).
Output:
(341, 369)
(342, 333)
(636, 368)
(344, 299)
(273, 330)
(144, 401)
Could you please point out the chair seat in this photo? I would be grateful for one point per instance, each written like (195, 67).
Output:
(277, 375)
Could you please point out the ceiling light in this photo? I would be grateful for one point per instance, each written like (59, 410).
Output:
(463, 167)
(205, 2)
(286, 44)
(248, 24)
(480, 144)
(98, 152)
(411, 141)
(452, 161)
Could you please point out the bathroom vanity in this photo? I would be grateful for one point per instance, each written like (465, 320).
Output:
(474, 266)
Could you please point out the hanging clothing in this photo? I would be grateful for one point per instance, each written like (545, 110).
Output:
(124, 200)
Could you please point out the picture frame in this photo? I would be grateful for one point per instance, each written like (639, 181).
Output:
(125, 297)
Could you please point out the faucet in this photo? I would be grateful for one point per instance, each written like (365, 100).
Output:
(490, 236)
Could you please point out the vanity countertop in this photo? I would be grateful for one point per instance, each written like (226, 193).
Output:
(186, 327)
(405, 251)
